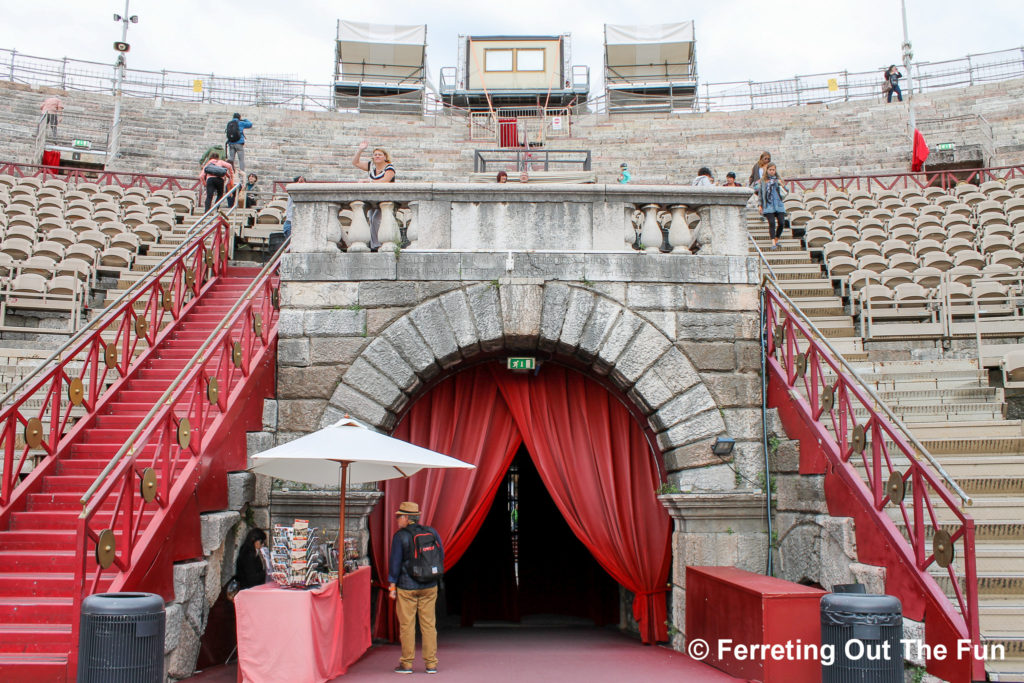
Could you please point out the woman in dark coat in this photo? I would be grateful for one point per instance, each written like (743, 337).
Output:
(249, 568)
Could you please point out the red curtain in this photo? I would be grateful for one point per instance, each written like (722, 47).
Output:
(591, 454)
(920, 152)
(599, 469)
(455, 502)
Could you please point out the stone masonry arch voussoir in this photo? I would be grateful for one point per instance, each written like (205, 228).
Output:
(554, 317)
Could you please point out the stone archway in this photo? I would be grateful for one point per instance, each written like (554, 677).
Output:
(638, 359)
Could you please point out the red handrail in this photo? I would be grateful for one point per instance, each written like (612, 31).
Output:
(150, 181)
(828, 399)
(91, 370)
(171, 439)
(892, 181)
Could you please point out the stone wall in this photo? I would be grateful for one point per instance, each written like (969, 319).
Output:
(843, 138)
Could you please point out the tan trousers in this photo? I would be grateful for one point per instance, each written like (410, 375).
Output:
(408, 605)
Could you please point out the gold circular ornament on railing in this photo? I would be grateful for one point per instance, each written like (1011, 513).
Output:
(34, 432)
(76, 391)
(190, 277)
(236, 354)
(147, 489)
(223, 253)
(257, 324)
(105, 548)
(942, 548)
(212, 390)
(166, 299)
(828, 399)
(801, 365)
(896, 488)
(780, 336)
(110, 355)
(209, 258)
(184, 433)
(858, 439)
(141, 327)
(275, 298)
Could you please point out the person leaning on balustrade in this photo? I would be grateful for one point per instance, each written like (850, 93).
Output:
(380, 170)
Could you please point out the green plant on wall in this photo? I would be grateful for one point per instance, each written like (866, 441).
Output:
(668, 487)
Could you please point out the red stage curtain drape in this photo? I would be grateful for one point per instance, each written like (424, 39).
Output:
(455, 502)
(592, 456)
(598, 468)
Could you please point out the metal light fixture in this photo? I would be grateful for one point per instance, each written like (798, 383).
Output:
(723, 446)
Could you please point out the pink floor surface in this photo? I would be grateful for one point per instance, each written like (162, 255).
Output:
(541, 655)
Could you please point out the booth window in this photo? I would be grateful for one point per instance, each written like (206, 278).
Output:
(530, 60)
(498, 60)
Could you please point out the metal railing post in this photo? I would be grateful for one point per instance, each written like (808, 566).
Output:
(13, 53)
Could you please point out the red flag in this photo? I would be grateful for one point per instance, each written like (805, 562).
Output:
(920, 152)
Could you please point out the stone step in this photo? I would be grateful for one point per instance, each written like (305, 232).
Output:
(931, 396)
(807, 287)
(949, 412)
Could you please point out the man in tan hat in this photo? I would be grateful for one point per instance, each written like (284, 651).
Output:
(414, 571)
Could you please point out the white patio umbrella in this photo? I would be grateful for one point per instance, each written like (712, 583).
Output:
(352, 452)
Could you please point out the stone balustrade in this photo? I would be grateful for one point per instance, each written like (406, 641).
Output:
(555, 217)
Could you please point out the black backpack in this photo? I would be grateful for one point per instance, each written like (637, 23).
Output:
(216, 170)
(427, 561)
(233, 131)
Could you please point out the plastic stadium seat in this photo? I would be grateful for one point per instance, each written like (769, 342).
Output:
(927, 276)
(859, 278)
(76, 268)
(40, 265)
(847, 235)
(83, 252)
(865, 204)
(909, 292)
(926, 246)
(1018, 242)
(944, 200)
(1015, 204)
(937, 259)
(904, 234)
(850, 214)
(84, 225)
(840, 266)
(149, 233)
(165, 193)
(64, 285)
(864, 247)
(825, 214)
(972, 199)
(127, 241)
(963, 274)
(988, 289)
(932, 232)
(990, 185)
(49, 192)
(841, 223)
(996, 228)
(993, 243)
(28, 283)
(49, 248)
(855, 193)
(876, 235)
(902, 210)
(50, 211)
(836, 248)
(24, 220)
(894, 276)
(891, 204)
(997, 269)
(113, 228)
(865, 223)
(6, 264)
(21, 231)
(872, 262)
(62, 236)
(964, 188)
(816, 238)
(30, 181)
(154, 202)
(954, 245)
(894, 246)
(104, 215)
(88, 188)
(881, 214)
(955, 291)
(135, 218)
(927, 219)
(1000, 196)
(116, 257)
(17, 248)
(798, 218)
(1015, 218)
(180, 205)
(879, 293)
(1007, 257)
(953, 219)
(93, 238)
(969, 258)
(840, 203)
(959, 209)
(8, 181)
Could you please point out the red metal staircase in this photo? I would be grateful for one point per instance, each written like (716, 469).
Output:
(141, 417)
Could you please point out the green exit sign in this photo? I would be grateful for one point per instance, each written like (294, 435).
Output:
(945, 146)
(522, 363)
(81, 144)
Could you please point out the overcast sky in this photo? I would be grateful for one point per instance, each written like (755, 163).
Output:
(736, 41)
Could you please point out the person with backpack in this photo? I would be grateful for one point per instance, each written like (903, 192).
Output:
(236, 139)
(216, 176)
(414, 571)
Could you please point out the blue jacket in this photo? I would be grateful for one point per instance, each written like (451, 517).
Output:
(401, 550)
(242, 125)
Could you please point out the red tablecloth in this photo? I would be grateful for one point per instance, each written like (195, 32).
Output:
(302, 636)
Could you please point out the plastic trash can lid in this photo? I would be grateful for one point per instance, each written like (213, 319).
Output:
(122, 603)
(862, 603)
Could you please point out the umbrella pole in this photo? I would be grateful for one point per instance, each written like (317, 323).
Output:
(341, 527)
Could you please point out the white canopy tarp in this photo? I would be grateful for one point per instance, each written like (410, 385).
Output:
(381, 53)
(370, 456)
(643, 53)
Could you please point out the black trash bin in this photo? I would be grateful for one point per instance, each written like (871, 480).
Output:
(121, 639)
(274, 242)
(864, 633)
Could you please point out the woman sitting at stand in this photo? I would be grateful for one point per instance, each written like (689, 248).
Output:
(250, 569)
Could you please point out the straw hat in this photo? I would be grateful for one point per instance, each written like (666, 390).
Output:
(408, 508)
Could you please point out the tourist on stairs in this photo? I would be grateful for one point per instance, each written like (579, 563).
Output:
(770, 193)
(216, 176)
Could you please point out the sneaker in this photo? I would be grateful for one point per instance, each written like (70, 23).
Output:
(431, 670)
(402, 670)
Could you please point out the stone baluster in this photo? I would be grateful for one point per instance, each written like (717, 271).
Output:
(357, 235)
(635, 221)
(650, 233)
(404, 216)
(387, 233)
(679, 235)
(664, 221)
